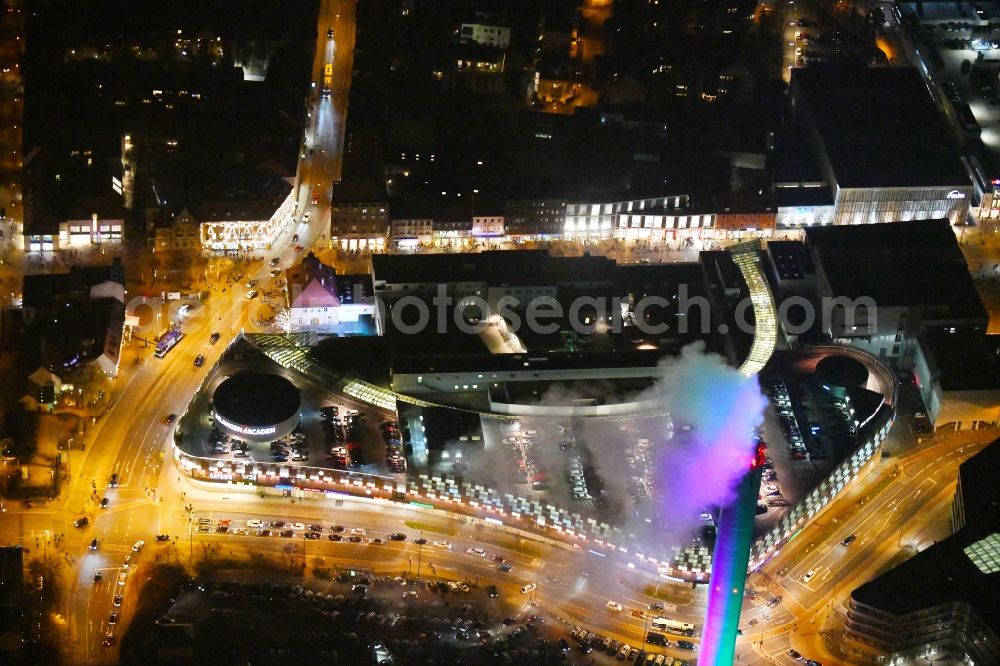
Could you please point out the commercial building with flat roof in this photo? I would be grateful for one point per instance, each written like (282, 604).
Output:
(861, 123)
(958, 375)
(914, 274)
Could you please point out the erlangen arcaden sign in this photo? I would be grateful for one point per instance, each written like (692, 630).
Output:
(245, 430)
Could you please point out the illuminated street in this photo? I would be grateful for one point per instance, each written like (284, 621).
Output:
(706, 356)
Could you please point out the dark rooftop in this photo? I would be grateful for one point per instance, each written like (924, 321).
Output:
(254, 197)
(791, 260)
(256, 399)
(358, 191)
(961, 360)
(525, 267)
(802, 196)
(898, 264)
(867, 119)
(980, 492)
(43, 290)
(525, 362)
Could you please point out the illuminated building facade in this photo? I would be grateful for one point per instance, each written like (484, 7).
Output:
(247, 224)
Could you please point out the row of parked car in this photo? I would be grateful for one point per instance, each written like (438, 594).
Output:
(223, 443)
(522, 447)
(588, 642)
(394, 455)
(641, 459)
(574, 472)
(789, 425)
(293, 447)
(343, 436)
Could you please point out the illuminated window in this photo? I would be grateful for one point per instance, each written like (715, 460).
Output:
(985, 554)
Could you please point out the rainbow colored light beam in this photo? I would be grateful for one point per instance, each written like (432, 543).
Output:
(733, 541)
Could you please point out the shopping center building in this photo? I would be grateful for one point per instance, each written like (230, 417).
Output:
(410, 377)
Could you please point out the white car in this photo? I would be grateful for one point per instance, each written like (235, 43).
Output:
(298, 527)
(615, 606)
(476, 551)
(254, 522)
(137, 546)
(527, 588)
(809, 576)
(443, 544)
(358, 531)
(305, 218)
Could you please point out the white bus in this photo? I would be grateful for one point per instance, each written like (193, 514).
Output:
(673, 627)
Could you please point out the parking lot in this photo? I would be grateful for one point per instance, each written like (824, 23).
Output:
(335, 431)
(543, 456)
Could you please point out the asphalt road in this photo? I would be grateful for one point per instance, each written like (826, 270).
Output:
(573, 584)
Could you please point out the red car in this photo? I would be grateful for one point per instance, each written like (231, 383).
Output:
(298, 248)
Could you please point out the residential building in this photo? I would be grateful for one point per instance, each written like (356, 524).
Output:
(534, 218)
(173, 233)
(359, 216)
(485, 29)
(76, 318)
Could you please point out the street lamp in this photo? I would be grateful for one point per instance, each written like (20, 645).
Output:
(189, 509)
(645, 629)
(420, 550)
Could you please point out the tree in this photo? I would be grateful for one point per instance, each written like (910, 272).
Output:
(22, 429)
